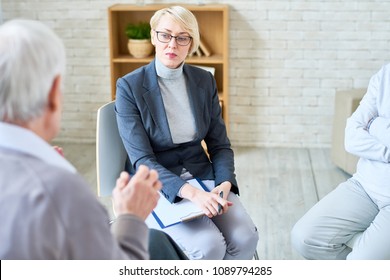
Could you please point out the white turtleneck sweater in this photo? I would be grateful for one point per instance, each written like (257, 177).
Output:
(176, 103)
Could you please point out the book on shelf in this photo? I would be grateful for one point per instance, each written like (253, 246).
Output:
(202, 50)
(198, 52)
(203, 47)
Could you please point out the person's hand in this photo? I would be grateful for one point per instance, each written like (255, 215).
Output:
(208, 201)
(58, 150)
(137, 195)
(225, 189)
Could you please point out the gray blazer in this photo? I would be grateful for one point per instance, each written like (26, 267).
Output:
(144, 129)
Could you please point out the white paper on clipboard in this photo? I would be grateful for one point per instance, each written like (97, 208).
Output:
(168, 214)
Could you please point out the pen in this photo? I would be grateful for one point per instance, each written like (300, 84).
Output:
(219, 205)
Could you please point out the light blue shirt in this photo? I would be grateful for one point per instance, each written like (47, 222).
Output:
(25, 141)
(372, 144)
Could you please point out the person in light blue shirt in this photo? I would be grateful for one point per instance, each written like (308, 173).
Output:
(359, 207)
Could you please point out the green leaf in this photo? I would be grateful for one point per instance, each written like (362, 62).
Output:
(139, 30)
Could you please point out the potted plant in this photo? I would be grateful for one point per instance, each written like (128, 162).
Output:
(139, 44)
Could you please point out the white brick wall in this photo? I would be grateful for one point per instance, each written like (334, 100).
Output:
(287, 60)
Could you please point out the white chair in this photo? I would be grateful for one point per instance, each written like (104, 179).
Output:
(110, 152)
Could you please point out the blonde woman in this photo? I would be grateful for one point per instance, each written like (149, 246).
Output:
(164, 110)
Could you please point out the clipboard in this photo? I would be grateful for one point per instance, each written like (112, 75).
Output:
(168, 214)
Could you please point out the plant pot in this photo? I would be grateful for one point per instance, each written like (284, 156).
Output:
(140, 48)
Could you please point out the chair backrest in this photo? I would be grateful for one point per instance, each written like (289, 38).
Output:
(110, 152)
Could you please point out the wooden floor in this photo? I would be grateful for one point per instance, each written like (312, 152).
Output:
(277, 185)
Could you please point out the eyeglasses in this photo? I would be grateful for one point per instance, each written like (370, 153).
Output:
(166, 38)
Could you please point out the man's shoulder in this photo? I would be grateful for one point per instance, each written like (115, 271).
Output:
(36, 182)
(47, 179)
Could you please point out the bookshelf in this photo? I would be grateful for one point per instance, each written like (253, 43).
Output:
(213, 26)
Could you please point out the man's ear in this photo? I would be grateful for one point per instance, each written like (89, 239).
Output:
(55, 98)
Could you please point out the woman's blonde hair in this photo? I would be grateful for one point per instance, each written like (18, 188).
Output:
(184, 18)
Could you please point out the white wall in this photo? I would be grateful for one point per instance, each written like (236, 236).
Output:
(1, 13)
(287, 60)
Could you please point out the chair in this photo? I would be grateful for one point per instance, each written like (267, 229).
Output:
(111, 155)
(110, 152)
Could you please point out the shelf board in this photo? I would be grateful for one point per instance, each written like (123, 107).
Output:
(215, 58)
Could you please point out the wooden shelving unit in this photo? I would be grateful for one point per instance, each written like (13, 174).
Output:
(213, 25)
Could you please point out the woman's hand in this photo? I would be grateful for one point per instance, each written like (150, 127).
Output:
(225, 188)
(208, 201)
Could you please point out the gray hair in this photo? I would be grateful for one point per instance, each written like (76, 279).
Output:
(184, 18)
(31, 56)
